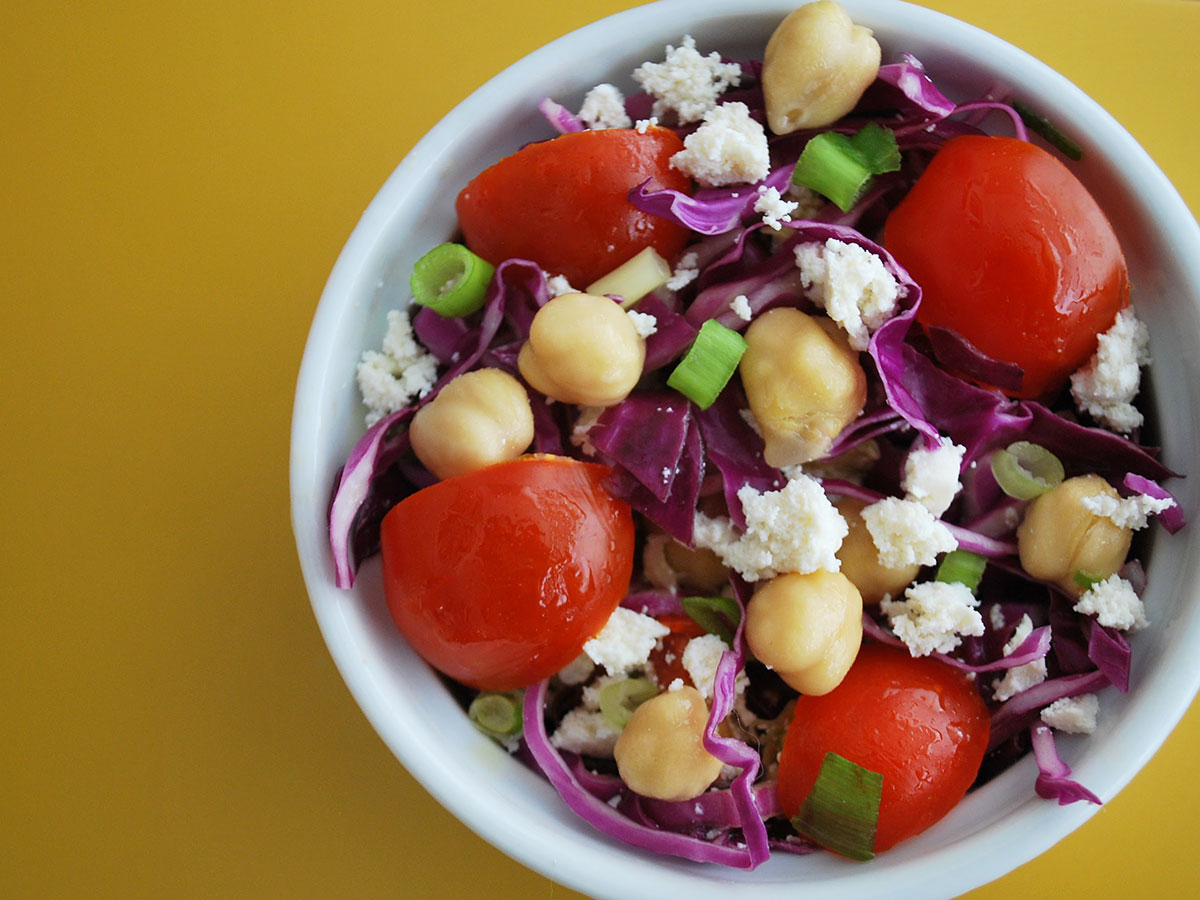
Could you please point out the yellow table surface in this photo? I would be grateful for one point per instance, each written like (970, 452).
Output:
(178, 180)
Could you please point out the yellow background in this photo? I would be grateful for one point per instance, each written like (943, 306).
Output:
(177, 182)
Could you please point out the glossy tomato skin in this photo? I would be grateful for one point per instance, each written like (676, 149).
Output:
(916, 721)
(564, 204)
(498, 577)
(1013, 253)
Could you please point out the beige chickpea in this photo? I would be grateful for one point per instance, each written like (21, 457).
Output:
(816, 67)
(807, 628)
(860, 559)
(1060, 537)
(479, 418)
(583, 349)
(661, 752)
(803, 382)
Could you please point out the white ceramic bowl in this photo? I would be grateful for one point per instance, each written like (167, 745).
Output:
(994, 829)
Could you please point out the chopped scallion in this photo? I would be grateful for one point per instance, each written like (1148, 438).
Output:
(497, 715)
(709, 364)
(451, 280)
(841, 167)
(716, 615)
(619, 699)
(963, 567)
(842, 811)
(1087, 580)
(634, 278)
(1024, 470)
(1039, 124)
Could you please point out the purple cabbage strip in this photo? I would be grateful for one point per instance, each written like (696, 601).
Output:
(599, 814)
(560, 118)
(711, 210)
(1172, 517)
(675, 514)
(1033, 648)
(909, 78)
(986, 106)
(1109, 650)
(1020, 711)
(645, 434)
(735, 449)
(654, 603)
(674, 334)
(714, 809)
(1053, 781)
(958, 354)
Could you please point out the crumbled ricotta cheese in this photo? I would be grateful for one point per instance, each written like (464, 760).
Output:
(1128, 512)
(686, 271)
(557, 285)
(740, 305)
(931, 476)
(1019, 678)
(1074, 715)
(676, 685)
(906, 533)
(700, 659)
(996, 616)
(1107, 383)
(644, 124)
(773, 208)
(643, 323)
(933, 615)
(851, 284)
(796, 529)
(604, 107)
(588, 416)
(1114, 603)
(390, 378)
(685, 82)
(578, 670)
(625, 641)
(728, 148)
(585, 731)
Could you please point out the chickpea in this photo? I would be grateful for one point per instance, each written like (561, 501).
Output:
(808, 628)
(661, 752)
(667, 563)
(1060, 537)
(583, 349)
(479, 418)
(803, 382)
(860, 559)
(817, 65)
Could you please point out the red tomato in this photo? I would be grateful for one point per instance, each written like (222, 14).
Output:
(498, 577)
(1013, 253)
(667, 656)
(916, 721)
(564, 203)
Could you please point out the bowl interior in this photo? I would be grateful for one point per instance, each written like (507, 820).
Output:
(997, 827)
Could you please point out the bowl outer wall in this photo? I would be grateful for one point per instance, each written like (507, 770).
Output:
(995, 829)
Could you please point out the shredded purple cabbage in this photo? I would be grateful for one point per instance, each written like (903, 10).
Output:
(1053, 782)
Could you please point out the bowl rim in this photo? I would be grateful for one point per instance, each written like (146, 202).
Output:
(964, 863)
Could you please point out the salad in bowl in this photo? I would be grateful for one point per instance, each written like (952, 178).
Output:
(759, 453)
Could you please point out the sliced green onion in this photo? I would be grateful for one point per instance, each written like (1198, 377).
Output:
(963, 567)
(841, 167)
(451, 280)
(1039, 124)
(497, 715)
(716, 615)
(709, 364)
(1024, 470)
(619, 699)
(635, 278)
(843, 809)
(1087, 580)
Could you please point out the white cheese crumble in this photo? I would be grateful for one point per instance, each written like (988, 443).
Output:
(588, 416)
(933, 615)
(585, 731)
(685, 82)
(643, 323)
(604, 107)
(644, 124)
(851, 284)
(686, 271)
(625, 641)
(773, 208)
(700, 659)
(1114, 603)
(1019, 678)
(996, 616)
(796, 529)
(906, 533)
(1128, 512)
(676, 685)
(931, 476)
(1107, 383)
(390, 378)
(740, 305)
(557, 285)
(578, 670)
(728, 148)
(1074, 715)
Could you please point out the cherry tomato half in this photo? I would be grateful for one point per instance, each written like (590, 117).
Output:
(916, 721)
(498, 577)
(564, 203)
(1013, 253)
